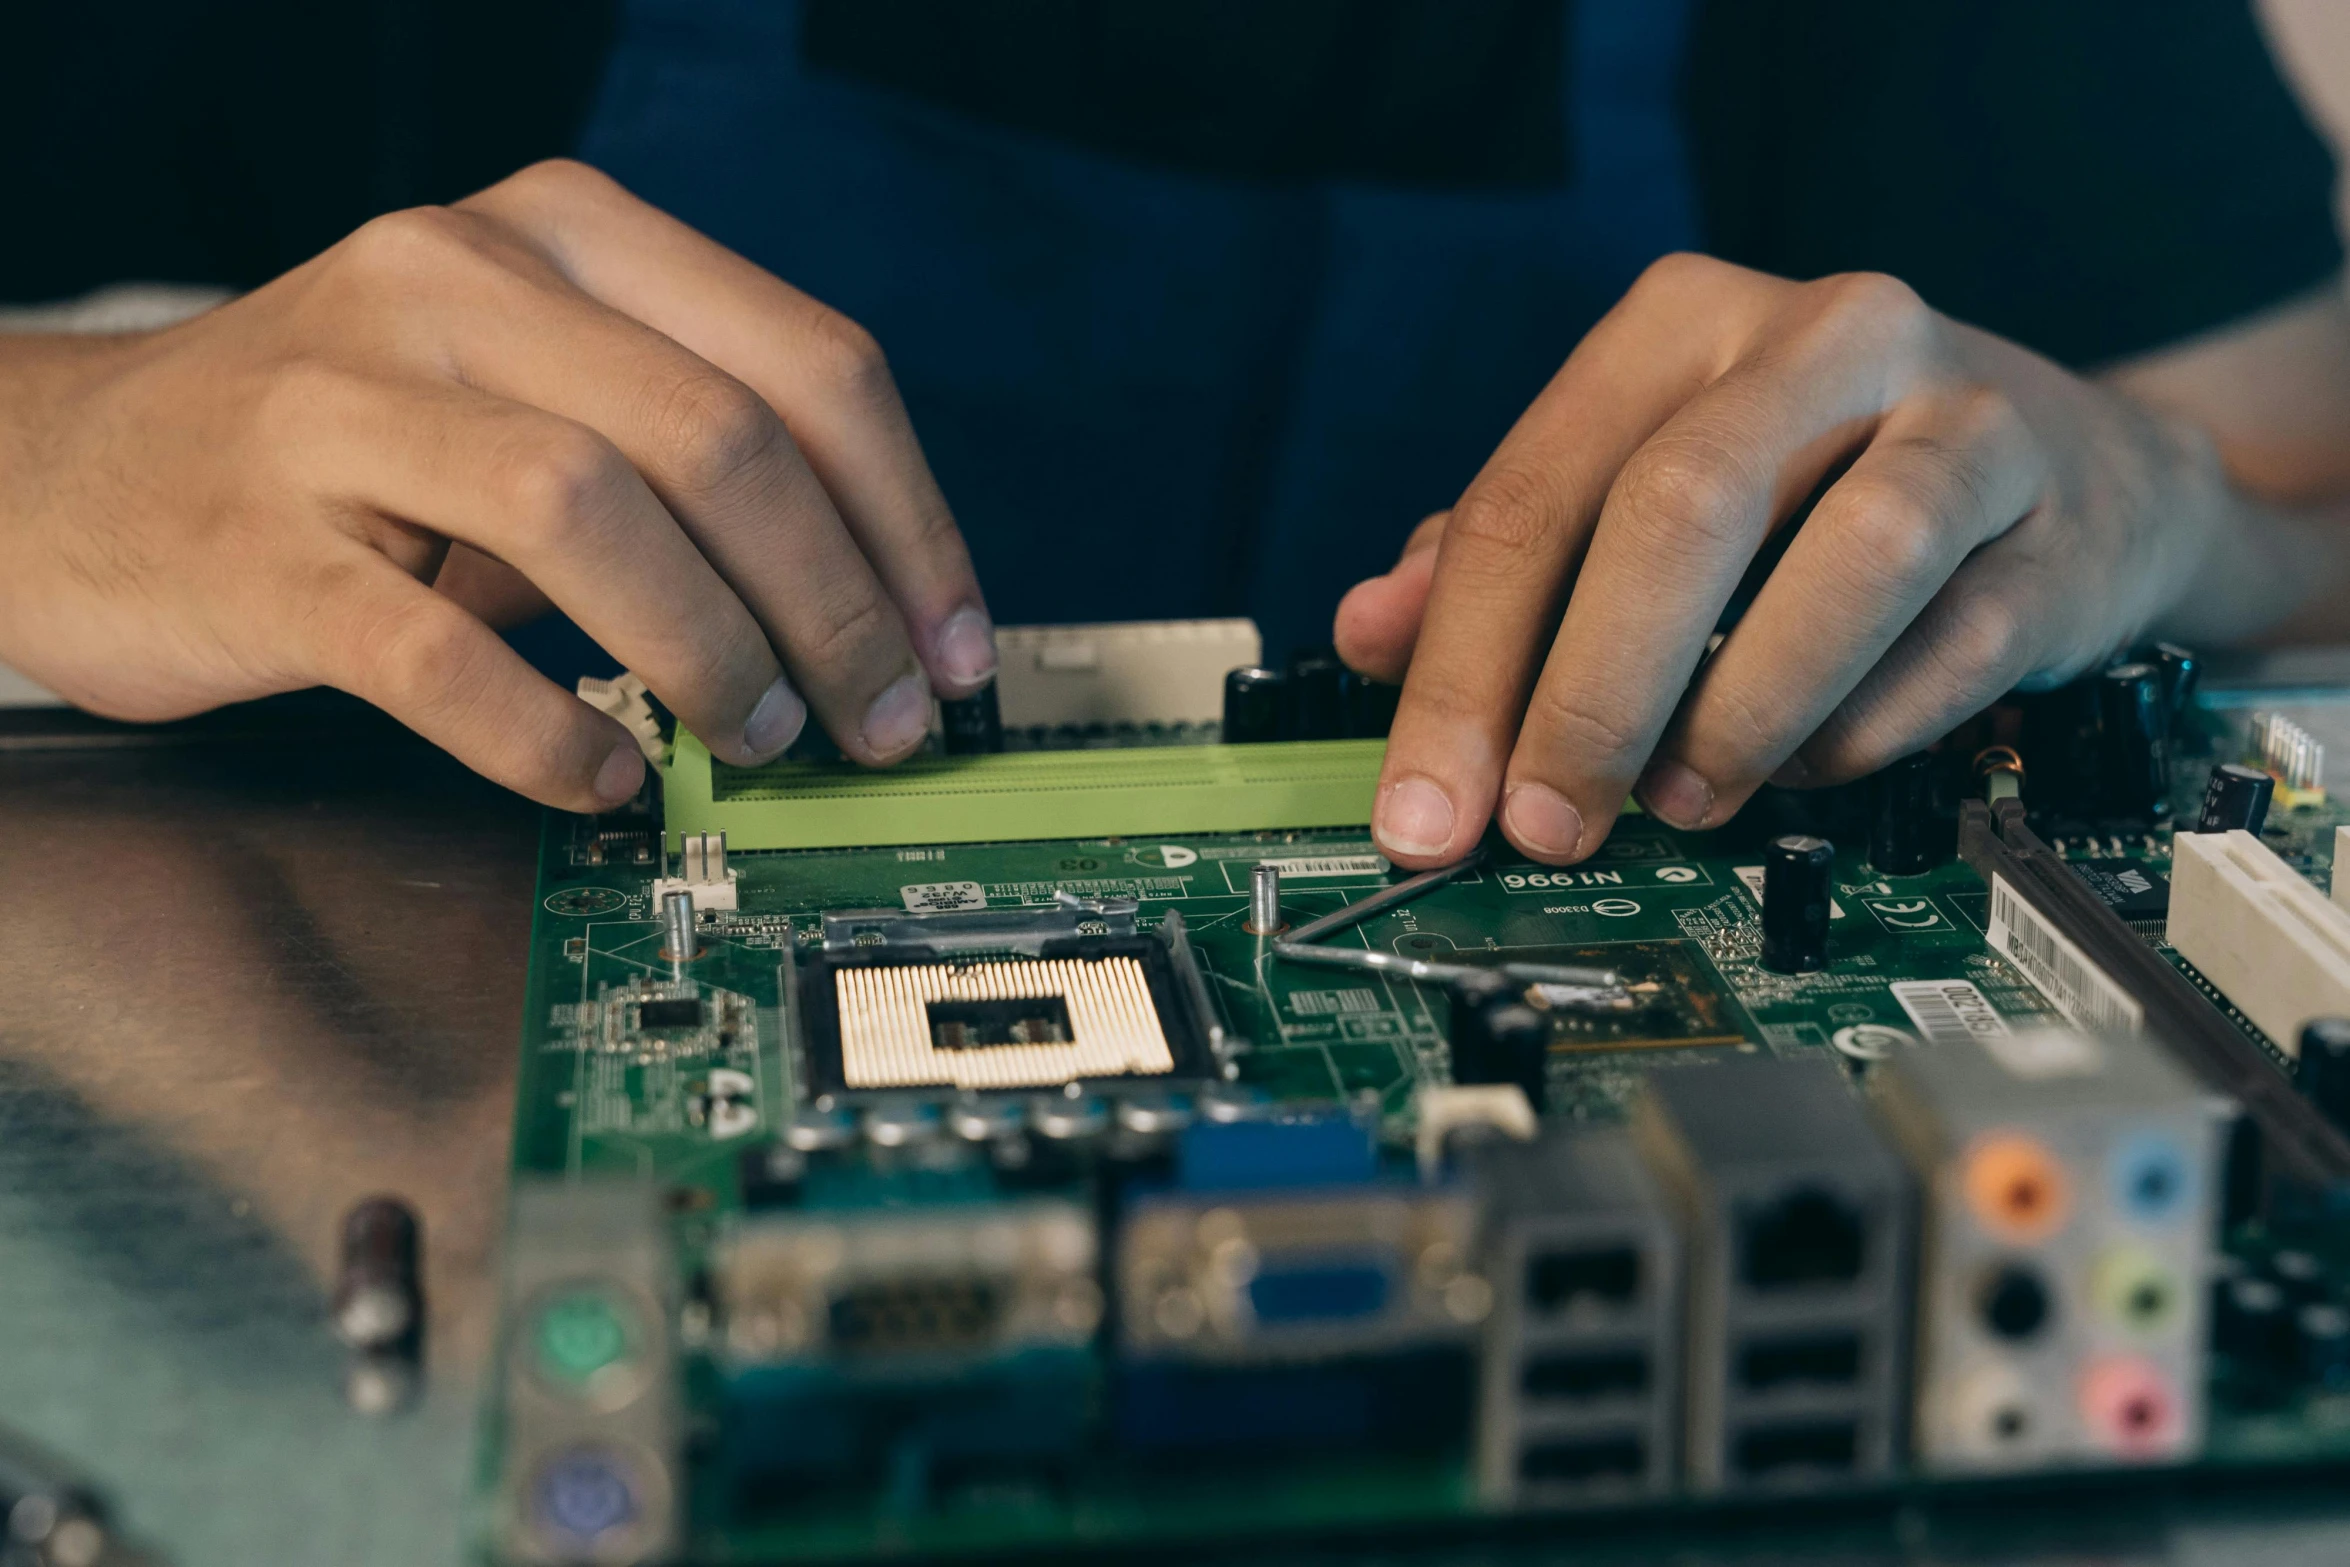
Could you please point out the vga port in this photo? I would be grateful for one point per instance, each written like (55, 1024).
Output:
(1284, 1273)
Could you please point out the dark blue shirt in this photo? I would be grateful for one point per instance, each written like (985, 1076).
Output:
(1149, 393)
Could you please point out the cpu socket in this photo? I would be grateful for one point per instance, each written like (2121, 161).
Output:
(1004, 1002)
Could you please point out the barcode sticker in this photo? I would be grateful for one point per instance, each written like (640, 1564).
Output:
(1949, 1011)
(2057, 968)
(1349, 865)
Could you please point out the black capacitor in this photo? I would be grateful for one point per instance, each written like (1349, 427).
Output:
(2322, 1070)
(1370, 707)
(1317, 695)
(1797, 870)
(972, 725)
(2236, 799)
(2133, 743)
(2182, 671)
(1255, 703)
(1904, 833)
(379, 1292)
(1497, 1038)
(2059, 747)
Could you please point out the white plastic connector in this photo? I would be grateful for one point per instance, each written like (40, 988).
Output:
(1445, 1108)
(1140, 672)
(2269, 940)
(703, 872)
(627, 699)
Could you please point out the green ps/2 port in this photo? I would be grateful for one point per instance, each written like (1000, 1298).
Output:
(586, 1340)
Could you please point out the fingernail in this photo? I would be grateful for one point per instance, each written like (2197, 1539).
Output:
(621, 776)
(1676, 794)
(1414, 817)
(775, 723)
(1540, 820)
(898, 718)
(966, 647)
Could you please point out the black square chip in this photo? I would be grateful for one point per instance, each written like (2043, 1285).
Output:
(2131, 890)
(670, 1014)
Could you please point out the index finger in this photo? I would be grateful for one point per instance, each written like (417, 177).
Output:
(1516, 538)
(822, 374)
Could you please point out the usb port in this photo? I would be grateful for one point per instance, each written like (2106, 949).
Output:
(1621, 1457)
(1820, 1359)
(1608, 1275)
(1806, 1444)
(1590, 1375)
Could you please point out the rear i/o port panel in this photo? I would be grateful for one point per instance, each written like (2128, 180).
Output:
(1084, 1139)
(2061, 1314)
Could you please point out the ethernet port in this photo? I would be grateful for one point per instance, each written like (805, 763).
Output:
(1797, 1444)
(1586, 1375)
(1809, 1237)
(1582, 1460)
(1590, 1276)
(1800, 1359)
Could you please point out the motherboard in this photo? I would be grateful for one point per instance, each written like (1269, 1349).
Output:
(1083, 1135)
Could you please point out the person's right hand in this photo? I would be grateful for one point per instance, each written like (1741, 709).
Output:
(707, 470)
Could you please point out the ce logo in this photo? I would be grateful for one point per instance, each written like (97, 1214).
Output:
(1908, 916)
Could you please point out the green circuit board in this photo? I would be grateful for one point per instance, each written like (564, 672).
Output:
(604, 1094)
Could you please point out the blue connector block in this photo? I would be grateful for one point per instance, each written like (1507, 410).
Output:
(1254, 1155)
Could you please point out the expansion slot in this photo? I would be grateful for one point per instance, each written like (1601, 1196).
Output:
(2049, 923)
(2252, 926)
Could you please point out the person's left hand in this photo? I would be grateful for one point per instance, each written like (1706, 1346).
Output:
(1993, 520)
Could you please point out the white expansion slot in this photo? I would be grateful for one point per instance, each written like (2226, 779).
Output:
(2269, 940)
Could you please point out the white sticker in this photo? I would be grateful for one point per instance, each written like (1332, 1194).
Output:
(2060, 970)
(943, 897)
(1332, 865)
(1752, 875)
(1949, 1011)
(2042, 1053)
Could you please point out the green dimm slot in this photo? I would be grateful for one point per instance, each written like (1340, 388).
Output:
(1023, 794)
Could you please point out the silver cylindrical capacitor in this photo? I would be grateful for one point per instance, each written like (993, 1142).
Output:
(678, 942)
(379, 1294)
(1264, 900)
